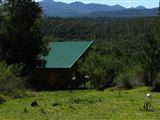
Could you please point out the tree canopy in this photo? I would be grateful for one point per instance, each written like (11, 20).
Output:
(22, 38)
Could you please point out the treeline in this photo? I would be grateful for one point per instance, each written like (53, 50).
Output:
(95, 28)
(125, 51)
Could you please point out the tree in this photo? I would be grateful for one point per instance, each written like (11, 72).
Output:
(94, 66)
(1, 15)
(159, 9)
(23, 40)
(101, 65)
(1, 22)
(151, 56)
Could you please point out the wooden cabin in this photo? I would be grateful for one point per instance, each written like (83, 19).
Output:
(61, 63)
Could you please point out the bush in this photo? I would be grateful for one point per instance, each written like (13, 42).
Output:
(2, 99)
(130, 77)
(123, 81)
(10, 82)
(102, 69)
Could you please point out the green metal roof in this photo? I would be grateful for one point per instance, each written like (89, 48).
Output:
(65, 54)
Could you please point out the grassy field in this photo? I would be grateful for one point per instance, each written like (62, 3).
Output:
(83, 105)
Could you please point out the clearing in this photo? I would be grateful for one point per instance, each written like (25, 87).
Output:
(83, 105)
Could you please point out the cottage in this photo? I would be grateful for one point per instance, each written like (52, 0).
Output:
(61, 63)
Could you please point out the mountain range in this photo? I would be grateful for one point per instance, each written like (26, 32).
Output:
(79, 9)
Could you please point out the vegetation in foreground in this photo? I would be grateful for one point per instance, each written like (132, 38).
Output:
(83, 105)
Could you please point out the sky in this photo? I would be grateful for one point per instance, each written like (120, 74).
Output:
(125, 3)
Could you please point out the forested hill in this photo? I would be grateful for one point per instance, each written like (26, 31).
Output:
(126, 13)
(79, 9)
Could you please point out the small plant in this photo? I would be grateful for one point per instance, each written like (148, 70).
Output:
(55, 103)
(119, 87)
(43, 111)
(148, 104)
(34, 104)
(25, 110)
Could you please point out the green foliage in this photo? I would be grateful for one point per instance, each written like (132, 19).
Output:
(114, 30)
(129, 77)
(151, 52)
(94, 66)
(101, 68)
(22, 40)
(2, 99)
(1, 23)
(10, 82)
(159, 9)
(147, 106)
(126, 39)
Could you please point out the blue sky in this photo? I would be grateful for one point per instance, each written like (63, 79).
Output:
(125, 3)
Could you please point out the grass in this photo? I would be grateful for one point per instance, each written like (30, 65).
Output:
(83, 105)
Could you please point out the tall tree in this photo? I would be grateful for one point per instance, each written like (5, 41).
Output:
(151, 49)
(159, 9)
(151, 58)
(1, 22)
(23, 39)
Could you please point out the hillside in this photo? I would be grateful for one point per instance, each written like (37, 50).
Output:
(79, 9)
(126, 13)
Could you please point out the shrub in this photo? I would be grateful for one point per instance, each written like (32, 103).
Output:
(2, 99)
(10, 82)
(130, 77)
(101, 68)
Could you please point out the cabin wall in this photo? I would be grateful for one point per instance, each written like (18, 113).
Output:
(63, 78)
(55, 78)
(59, 78)
(51, 79)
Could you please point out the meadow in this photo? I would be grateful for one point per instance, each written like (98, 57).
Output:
(83, 105)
